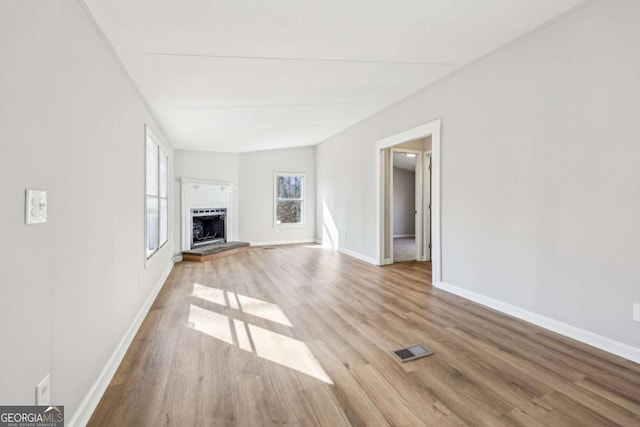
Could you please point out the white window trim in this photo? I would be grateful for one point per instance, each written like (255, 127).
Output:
(149, 135)
(302, 199)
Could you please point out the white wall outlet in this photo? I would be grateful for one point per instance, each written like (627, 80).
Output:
(43, 391)
(35, 209)
(636, 312)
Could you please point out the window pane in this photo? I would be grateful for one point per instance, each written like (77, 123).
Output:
(152, 168)
(163, 174)
(164, 223)
(152, 225)
(289, 187)
(289, 212)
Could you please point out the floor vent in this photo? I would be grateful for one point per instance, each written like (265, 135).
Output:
(411, 353)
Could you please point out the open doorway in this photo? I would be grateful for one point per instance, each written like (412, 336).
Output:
(403, 196)
(411, 197)
(424, 141)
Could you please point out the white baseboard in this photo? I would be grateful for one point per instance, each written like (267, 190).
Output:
(396, 236)
(177, 258)
(90, 402)
(283, 242)
(387, 261)
(318, 241)
(358, 256)
(603, 343)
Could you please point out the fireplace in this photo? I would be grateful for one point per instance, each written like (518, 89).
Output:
(208, 226)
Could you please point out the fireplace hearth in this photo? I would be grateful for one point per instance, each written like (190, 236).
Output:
(208, 226)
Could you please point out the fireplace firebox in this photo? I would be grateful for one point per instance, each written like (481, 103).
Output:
(208, 226)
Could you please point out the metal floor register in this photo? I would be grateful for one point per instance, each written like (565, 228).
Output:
(411, 353)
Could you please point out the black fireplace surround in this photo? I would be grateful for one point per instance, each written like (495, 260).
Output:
(208, 226)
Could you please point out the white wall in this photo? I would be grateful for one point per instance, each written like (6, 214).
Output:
(404, 202)
(540, 184)
(71, 123)
(208, 166)
(256, 194)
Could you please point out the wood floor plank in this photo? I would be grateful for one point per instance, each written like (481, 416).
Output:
(629, 402)
(389, 403)
(358, 407)
(300, 336)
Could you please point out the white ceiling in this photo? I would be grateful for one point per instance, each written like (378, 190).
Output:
(402, 161)
(245, 75)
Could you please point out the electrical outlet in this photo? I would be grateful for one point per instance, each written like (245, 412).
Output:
(636, 312)
(43, 391)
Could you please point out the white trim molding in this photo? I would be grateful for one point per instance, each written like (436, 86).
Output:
(399, 236)
(358, 256)
(603, 343)
(284, 242)
(433, 129)
(90, 402)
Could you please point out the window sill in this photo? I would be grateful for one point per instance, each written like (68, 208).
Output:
(153, 256)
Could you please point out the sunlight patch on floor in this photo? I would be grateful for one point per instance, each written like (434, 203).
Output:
(213, 295)
(233, 300)
(242, 335)
(272, 346)
(263, 309)
(249, 305)
(210, 323)
(288, 352)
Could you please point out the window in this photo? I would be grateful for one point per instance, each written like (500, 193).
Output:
(157, 206)
(289, 199)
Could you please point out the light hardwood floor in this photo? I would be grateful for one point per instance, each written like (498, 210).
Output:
(300, 336)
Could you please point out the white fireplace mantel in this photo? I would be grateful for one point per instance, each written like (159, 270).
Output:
(203, 194)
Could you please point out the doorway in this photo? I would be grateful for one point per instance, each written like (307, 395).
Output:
(403, 195)
(427, 194)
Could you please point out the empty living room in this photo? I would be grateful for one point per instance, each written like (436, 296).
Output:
(319, 213)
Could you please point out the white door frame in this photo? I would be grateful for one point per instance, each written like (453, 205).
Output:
(418, 203)
(426, 164)
(428, 129)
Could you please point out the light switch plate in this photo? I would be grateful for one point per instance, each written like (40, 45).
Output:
(636, 312)
(35, 209)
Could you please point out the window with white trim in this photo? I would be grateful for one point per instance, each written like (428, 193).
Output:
(156, 200)
(289, 199)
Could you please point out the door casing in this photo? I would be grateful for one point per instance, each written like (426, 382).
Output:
(433, 129)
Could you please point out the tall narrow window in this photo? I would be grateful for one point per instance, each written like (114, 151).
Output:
(157, 206)
(289, 199)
